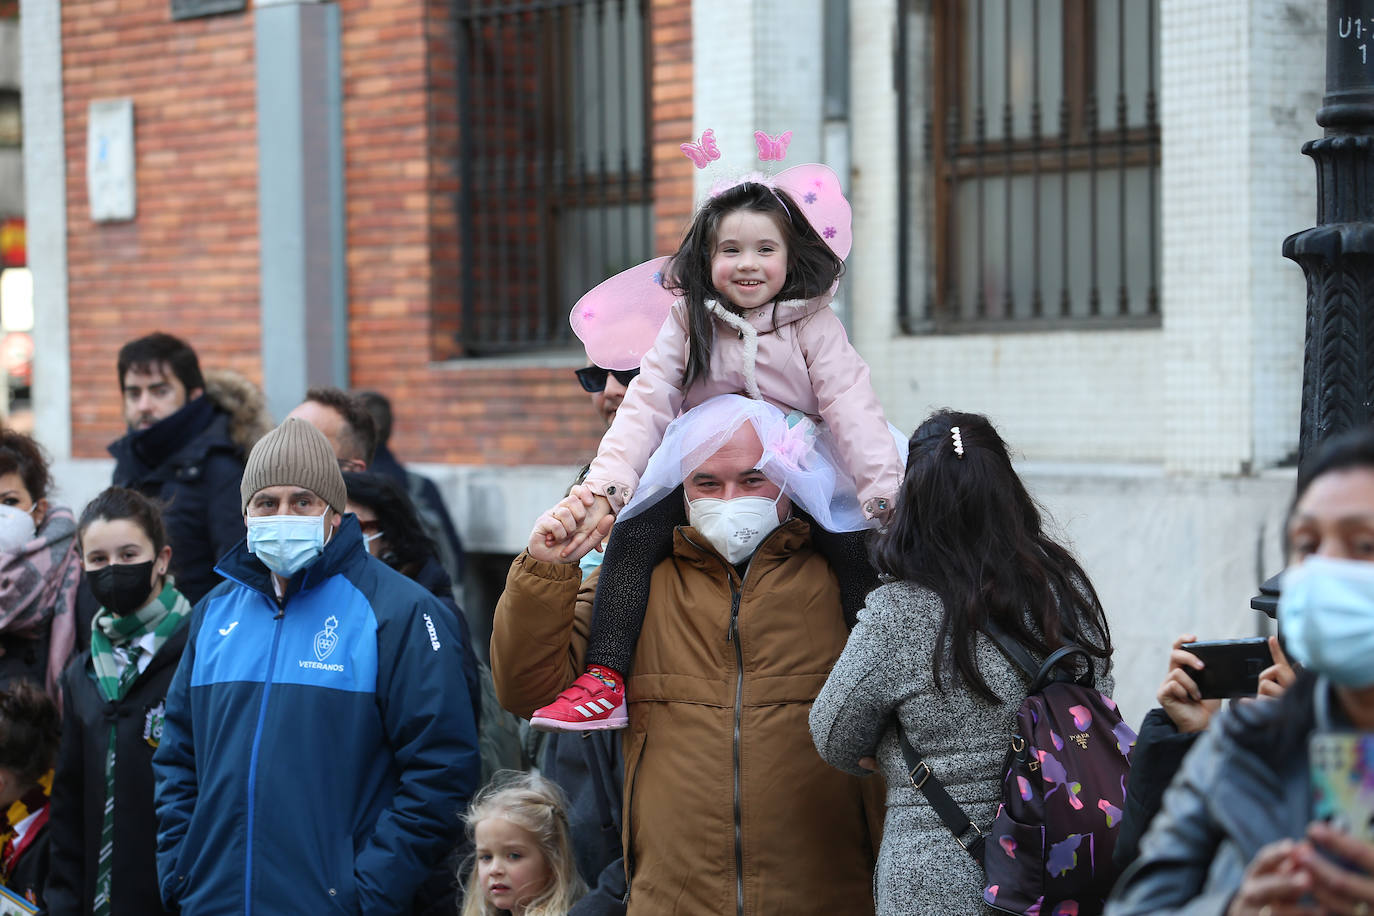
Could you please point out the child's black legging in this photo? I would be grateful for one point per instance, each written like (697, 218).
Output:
(639, 544)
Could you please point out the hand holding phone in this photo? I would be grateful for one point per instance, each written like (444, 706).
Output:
(1231, 667)
(1179, 696)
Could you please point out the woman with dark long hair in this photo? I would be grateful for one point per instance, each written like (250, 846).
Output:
(967, 550)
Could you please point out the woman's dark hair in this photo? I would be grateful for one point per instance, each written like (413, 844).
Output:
(21, 455)
(812, 268)
(1351, 449)
(406, 540)
(966, 529)
(29, 730)
(115, 503)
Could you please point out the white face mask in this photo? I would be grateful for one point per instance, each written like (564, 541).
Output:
(16, 527)
(735, 527)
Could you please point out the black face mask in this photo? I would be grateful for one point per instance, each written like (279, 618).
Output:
(122, 588)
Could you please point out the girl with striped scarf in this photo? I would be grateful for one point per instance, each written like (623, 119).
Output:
(103, 825)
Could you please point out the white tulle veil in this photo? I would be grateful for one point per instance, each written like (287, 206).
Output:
(798, 456)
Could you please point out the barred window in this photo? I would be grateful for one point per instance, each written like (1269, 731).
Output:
(556, 190)
(1035, 175)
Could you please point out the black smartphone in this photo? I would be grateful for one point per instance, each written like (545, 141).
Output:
(1233, 666)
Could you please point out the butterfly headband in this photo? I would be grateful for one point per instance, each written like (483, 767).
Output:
(813, 188)
(620, 318)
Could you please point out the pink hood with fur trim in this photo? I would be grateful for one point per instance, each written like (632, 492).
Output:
(806, 364)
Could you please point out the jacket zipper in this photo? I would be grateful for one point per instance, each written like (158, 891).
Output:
(732, 636)
(253, 769)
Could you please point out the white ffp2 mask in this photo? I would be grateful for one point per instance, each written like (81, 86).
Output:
(16, 527)
(735, 527)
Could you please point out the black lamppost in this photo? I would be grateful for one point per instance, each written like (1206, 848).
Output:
(1337, 255)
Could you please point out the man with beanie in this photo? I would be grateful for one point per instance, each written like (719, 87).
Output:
(318, 746)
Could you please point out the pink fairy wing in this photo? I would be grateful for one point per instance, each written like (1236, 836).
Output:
(620, 318)
(816, 189)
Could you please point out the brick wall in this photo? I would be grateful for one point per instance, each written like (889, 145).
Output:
(9, 9)
(455, 411)
(672, 107)
(189, 263)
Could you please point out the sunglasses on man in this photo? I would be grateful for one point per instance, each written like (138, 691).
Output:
(593, 378)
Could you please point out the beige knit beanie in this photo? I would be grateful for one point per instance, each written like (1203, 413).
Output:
(295, 454)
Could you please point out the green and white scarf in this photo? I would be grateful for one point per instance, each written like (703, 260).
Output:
(162, 617)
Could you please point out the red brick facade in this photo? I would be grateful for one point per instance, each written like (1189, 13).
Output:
(189, 263)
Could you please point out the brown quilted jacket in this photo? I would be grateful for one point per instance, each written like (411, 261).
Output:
(728, 807)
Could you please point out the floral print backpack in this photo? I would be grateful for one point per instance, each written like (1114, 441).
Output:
(1048, 851)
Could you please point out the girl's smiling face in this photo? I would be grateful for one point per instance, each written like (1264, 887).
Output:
(511, 869)
(749, 259)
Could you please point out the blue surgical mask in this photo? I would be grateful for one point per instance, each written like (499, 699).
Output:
(1326, 616)
(286, 544)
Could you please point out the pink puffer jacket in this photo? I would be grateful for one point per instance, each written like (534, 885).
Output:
(806, 364)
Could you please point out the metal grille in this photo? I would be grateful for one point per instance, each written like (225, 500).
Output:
(1032, 164)
(556, 190)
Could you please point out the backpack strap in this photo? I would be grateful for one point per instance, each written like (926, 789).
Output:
(920, 776)
(1038, 673)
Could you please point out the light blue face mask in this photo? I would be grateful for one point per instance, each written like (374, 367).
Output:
(1326, 615)
(286, 544)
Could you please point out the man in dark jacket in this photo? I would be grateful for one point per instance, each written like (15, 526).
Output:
(318, 747)
(185, 448)
(423, 492)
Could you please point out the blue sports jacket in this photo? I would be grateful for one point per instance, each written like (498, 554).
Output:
(316, 754)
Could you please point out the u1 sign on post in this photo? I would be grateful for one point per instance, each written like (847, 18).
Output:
(110, 159)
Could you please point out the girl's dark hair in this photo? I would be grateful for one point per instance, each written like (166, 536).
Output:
(966, 529)
(21, 455)
(115, 503)
(406, 540)
(812, 268)
(29, 730)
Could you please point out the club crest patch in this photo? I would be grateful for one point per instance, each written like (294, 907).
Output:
(153, 718)
(326, 640)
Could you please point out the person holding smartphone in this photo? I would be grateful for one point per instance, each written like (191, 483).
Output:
(1237, 834)
(1170, 730)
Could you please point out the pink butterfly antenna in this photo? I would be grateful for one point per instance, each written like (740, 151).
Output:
(702, 153)
(772, 149)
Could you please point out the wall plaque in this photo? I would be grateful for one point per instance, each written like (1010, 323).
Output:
(110, 159)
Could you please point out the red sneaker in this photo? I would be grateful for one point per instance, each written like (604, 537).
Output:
(594, 702)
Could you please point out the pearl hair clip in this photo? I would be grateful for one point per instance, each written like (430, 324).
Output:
(958, 441)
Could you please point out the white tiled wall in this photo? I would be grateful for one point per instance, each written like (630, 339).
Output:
(1216, 391)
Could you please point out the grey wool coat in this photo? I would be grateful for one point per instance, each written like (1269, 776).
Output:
(885, 670)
